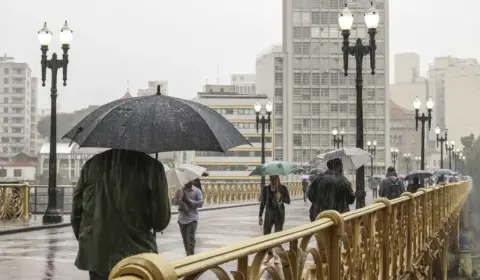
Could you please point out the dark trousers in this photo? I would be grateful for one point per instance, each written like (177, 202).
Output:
(188, 236)
(304, 190)
(95, 276)
(374, 193)
(273, 220)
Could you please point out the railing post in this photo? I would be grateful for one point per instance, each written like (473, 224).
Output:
(385, 239)
(335, 245)
(26, 192)
(411, 216)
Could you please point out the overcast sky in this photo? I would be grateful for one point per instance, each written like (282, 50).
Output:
(181, 41)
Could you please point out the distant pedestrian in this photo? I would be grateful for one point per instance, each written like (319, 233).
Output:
(119, 198)
(391, 187)
(274, 196)
(330, 191)
(375, 184)
(305, 183)
(188, 199)
(415, 185)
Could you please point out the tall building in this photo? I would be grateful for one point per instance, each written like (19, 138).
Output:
(316, 96)
(237, 163)
(152, 88)
(454, 84)
(403, 135)
(407, 67)
(244, 83)
(18, 113)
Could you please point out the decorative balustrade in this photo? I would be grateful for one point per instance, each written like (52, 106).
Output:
(13, 201)
(386, 240)
(18, 200)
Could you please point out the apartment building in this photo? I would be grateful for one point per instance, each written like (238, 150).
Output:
(238, 162)
(244, 83)
(18, 107)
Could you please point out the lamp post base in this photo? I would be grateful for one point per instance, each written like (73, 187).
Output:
(52, 216)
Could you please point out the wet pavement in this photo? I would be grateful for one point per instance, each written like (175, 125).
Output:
(49, 254)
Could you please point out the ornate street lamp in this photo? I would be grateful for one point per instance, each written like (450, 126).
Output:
(337, 140)
(261, 123)
(394, 154)
(345, 20)
(423, 119)
(417, 160)
(440, 141)
(372, 149)
(449, 150)
(457, 155)
(52, 214)
(407, 158)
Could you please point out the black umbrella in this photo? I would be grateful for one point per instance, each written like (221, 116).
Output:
(156, 123)
(421, 174)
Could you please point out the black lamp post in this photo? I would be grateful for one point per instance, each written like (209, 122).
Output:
(372, 149)
(262, 122)
(441, 141)
(423, 119)
(449, 149)
(337, 140)
(457, 155)
(462, 164)
(52, 214)
(359, 51)
(394, 154)
(407, 158)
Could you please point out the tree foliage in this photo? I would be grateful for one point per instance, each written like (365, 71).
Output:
(65, 121)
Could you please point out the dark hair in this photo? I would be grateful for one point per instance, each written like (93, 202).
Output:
(198, 184)
(391, 169)
(334, 163)
(416, 180)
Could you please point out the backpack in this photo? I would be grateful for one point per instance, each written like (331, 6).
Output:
(394, 190)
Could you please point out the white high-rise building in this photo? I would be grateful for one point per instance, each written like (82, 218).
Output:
(18, 111)
(244, 83)
(152, 88)
(316, 96)
(454, 84)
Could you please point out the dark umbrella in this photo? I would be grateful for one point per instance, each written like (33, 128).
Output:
(156, 123)
(421, 174)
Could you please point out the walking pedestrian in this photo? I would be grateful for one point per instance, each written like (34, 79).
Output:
(330, 191)
(305, 183)
(119, 198)
(375, 184)
(415, 185)
(391, 187)
(188, 199)
(273, 199)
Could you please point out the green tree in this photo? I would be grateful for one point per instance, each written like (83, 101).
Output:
(65, 121)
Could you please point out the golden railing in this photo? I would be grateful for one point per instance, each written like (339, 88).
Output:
(226, 193)
(14, 201)
(386, 240)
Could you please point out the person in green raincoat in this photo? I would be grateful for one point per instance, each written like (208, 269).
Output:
(121, 196)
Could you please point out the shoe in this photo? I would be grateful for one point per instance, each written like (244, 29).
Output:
(276, 260)
(267, 259)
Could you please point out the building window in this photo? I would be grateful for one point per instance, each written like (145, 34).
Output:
(297, 33)
(343, 108)
(297, 78)
(3, 171)
(17, 172)
(306, 48)
(315, 32)
(315, 17)
(279, 78)
(297, 139)
(306, 79)
(334, 108)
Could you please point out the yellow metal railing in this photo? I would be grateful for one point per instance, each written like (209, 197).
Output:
(227, 193)
(14, 201)
(386, 240)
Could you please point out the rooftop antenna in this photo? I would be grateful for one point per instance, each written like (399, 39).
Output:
(128, 86)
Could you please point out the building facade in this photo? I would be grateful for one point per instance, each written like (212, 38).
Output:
(152, 88)
(403, 135)
(237, 163)
(18, 113)
(316, 96)
(455, 85)
(244, 83)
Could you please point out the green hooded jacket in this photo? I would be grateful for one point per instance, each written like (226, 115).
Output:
(119, 198)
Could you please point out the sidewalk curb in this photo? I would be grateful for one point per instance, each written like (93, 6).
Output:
(67, 224)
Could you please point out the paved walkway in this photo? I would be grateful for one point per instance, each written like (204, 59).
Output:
(49, 254)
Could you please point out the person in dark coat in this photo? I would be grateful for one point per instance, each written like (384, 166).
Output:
(330, 191)
(414, 186)
(119, 198)
(273, 200)
(391, 187)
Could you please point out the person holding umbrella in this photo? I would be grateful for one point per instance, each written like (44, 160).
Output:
(119, 198)
(188, 199)
(273, 198)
